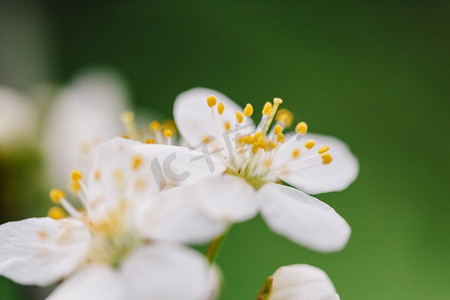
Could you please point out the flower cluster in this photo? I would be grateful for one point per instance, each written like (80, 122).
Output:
(124, 230)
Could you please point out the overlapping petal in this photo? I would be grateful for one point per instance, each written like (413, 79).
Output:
(40, 251)
(320, 178)
(176, 216)
(195, 120)
(302, 218)
(93, 283)
(227, 198)
(166, 271)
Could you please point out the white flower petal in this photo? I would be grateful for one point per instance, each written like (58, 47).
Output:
(227, 198)
(302, 218)
(40, 251)
(166, 271)
(93, 283)
(174, 217)
(195, 122)
(113, 178)
(302, 282)
(178, 165)
(335, 176)
(84, 114)
(18, 119)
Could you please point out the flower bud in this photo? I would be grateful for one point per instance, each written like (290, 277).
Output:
(298, 282)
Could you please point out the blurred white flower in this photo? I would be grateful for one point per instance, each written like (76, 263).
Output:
(105, 250)
(251, 161)
(83, 114)
(18, 120)
(298, 282)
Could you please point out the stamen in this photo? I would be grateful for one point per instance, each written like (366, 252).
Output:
(267, 108)
(248, 110)
(227, 126)
(168, 133)
(56, 213)
(285, 117)
(239, 117)
(295, 153)
(220, 108)
(211, 100)
(278, 129)
(276, 104)
(169, 124)
(56, 195)
(76, 175)
(310, 144)
(323, 149)
(130, 125)
(326, 158)
(154, 126)
(149, 141)
(301, 128)
(137, 162)
(280, 138)
(97, 174)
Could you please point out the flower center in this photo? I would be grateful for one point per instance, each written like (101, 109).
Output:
(253, 150)
(113, 234)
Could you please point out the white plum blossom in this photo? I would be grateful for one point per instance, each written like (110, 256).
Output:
(18, 120)
(105, 250)
(83, 114)
(251, 162)
(298, 282)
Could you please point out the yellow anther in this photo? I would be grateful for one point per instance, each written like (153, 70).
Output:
(168, 133)
(211, 100)
(248, 110)
(130, 125)
(56, 195)
(206, 139)
(127, 117)
(169, 124)
(75, 186)
(56, 213)
(220, 108)
(267, 108)
(271, 145)
(295, 153)
(280, 138)
(301, 128)
(323, 149)
(154, 126)
(227, 125)
(239, 117)
(97, 174)
(258, 135)
(326, 158)
(137, 162)
(149, 141)
(76, 175)
(278, 129)
(285, 116)
(255, 149)
(125, 136)
(310, 144)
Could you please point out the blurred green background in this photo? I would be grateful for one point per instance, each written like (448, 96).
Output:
(373, 73)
